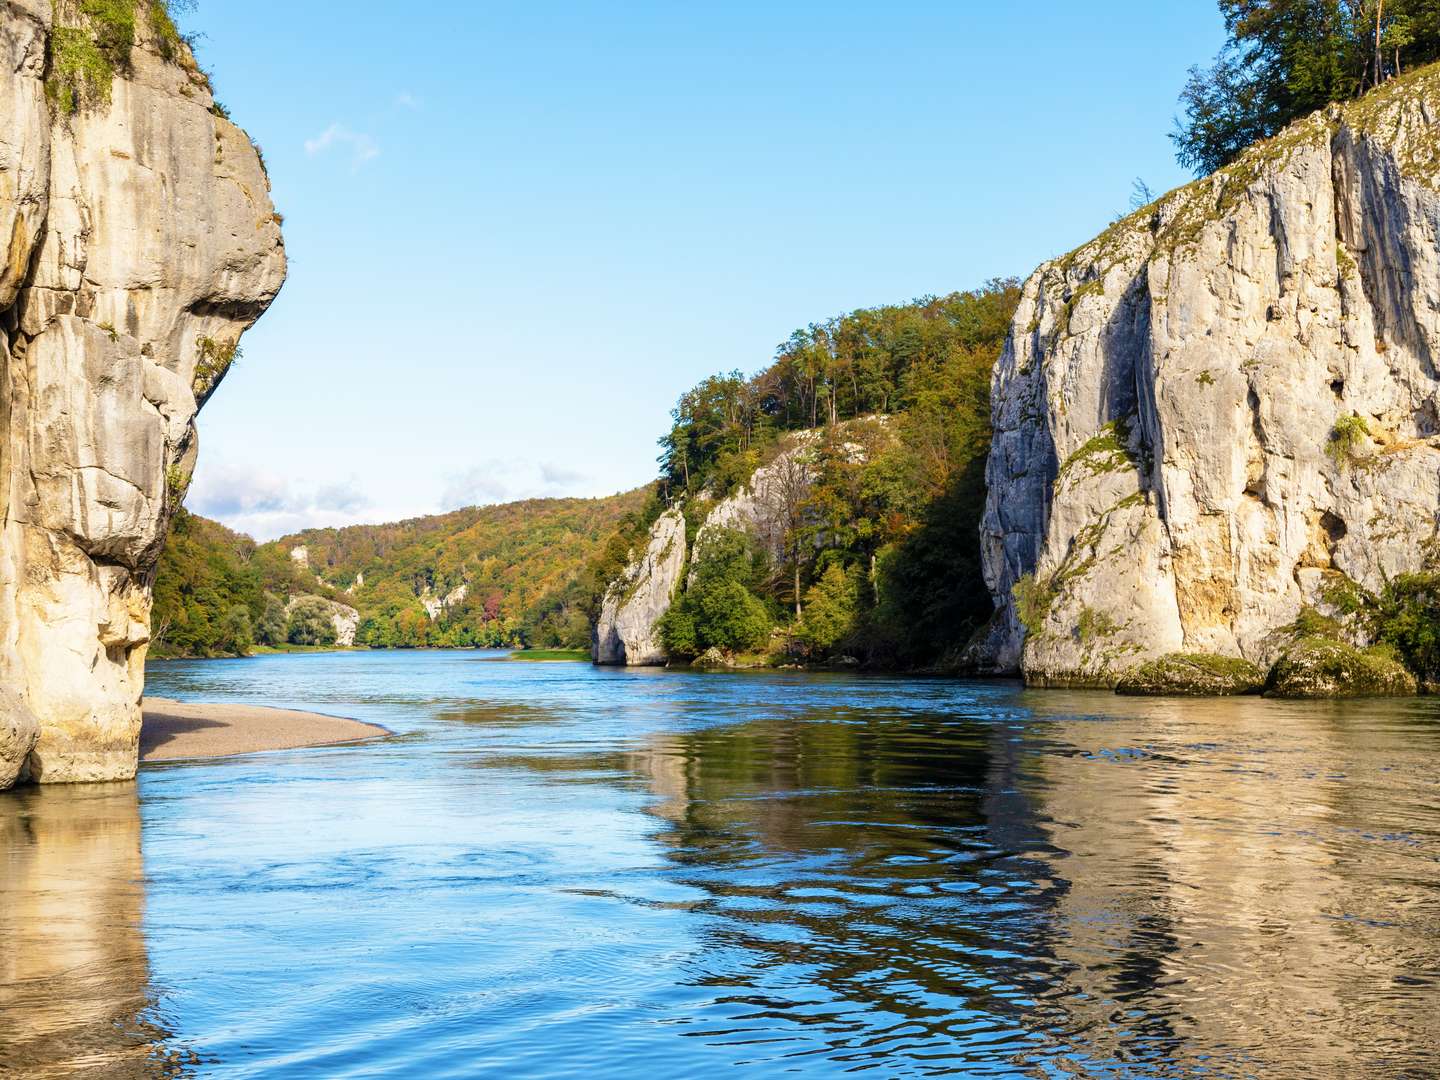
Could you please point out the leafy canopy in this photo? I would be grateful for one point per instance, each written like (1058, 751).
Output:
(1286, 58)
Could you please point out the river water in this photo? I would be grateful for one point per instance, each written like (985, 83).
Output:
(552, 870)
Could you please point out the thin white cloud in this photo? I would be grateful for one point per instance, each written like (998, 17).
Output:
(362, 147)
(407, 100)
(266, 505)
(507, 479)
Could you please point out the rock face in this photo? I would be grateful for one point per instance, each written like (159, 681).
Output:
(1224, 404)
(1192, 675)
(141, 242)
(761, 506)
(1319, 668)
(627, 630)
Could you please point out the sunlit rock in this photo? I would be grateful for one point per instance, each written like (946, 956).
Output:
(1223, 402)
(141, 243)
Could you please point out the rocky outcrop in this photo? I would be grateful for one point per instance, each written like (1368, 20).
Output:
(627, 631)
(764, 505)
(435, 606)
(1224, 405)
(1192, 675)
(344, 618)
(141, 242)
(1320, 668)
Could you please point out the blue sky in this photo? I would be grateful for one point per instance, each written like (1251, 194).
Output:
(518, 231)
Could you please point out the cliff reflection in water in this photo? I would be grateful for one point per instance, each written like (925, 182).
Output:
(1167, 887)
(73, 971)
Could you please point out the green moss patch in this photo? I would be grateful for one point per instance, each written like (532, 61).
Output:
(1192, 675)
(1321, 668)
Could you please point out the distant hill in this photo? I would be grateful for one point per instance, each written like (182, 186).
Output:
(507, 575)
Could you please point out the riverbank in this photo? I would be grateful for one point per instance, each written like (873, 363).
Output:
(176, 731)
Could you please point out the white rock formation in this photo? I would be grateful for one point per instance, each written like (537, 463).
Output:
(626, 632)
(343, 617)
(141, 242)
(300, 555)
(1166, 472)
(763, 506)
(435, 606)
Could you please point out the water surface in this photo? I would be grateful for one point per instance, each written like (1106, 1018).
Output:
(553, 870)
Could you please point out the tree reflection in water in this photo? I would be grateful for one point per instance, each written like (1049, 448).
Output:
(1096, 884)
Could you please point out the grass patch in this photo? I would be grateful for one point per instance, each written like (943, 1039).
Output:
(551, 656)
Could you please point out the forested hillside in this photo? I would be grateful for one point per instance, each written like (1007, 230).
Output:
(512, 575)
(880, 553)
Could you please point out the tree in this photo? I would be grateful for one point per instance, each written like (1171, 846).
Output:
(832, 607)
(273, 626)
(719, 609)
(311, 623)
(236, 636)
(1286, 58)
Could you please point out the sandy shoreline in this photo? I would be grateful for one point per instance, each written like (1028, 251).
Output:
(177, 731)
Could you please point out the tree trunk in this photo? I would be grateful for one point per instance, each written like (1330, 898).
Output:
(1379, 59)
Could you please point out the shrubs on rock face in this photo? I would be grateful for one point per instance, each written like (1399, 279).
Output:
(1316, 667)
(718, 610)
(1406, 616)
(1193, 675)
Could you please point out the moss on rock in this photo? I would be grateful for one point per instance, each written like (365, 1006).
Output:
(1321, 668)
(1192, 675)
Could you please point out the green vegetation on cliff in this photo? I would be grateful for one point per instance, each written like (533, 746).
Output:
(881, 506)
(91, 42)
(1285, 59)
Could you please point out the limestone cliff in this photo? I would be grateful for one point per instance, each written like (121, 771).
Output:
(141, 242)
(763, 507)
(1225, 404)
(627, 630)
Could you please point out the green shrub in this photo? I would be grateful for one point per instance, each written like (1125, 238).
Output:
(1032, 602)
(1406, 617)
(1348, 436)
(91, 42)
(310, 623)
(832, 606)
(719, 609)
(212, 360)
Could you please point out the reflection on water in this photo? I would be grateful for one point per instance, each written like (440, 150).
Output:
(558, 871)
(74, 982)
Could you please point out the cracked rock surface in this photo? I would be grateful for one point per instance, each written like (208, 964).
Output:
(1168, 472)
(141, 242)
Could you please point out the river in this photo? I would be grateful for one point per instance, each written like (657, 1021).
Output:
(554, 870)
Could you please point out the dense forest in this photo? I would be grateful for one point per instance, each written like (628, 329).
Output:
(1283, 59)
(882, 558)
(218, 593)
(512, 575)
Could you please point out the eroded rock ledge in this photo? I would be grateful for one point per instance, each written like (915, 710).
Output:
(141, 242)
(1224, 405)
